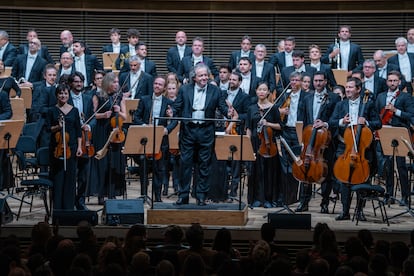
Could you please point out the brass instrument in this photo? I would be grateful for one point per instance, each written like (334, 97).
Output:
(122, 58)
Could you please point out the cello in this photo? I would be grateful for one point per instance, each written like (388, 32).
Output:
(352, 167)
(313, 167)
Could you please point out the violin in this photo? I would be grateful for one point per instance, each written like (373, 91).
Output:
(88, 150)
(352, 167)
(117, 122)
(62, 149)
(313, 168)
(284, 105)
(386, 114)
(267, 147)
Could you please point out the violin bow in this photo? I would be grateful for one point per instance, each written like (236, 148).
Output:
(276, 101)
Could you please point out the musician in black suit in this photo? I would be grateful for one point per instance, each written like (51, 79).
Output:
(188, 62)
(43, 97)
(347, 113)
(8, 52)
(66, 67)
(115, 46)
(402, 107)
(315, 61)
(128, 51)
(176, 53)
(372, 82)
(382, 65)
(43, 51)
(5, 166)
(249, 80)
(292, 110)
(262, 69)
(299, 65)
(240, 102)
(30, 66)
(84, 63)
(135, 80)
(198, 100)
(147, 65)
(84, 105)
(149, 107)
(405, 61)
(319, 106)
(351, 56)
(245, 46)
(283, 59)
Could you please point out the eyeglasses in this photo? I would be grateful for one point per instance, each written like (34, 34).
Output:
(34, 43)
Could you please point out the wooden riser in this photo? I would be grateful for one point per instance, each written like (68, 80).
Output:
(200, 215)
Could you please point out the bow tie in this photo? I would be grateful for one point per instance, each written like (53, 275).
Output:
(77, 97)
(245, 77)
(31, 57)
(231, 93)
(356, 102)
(77, 59)
(294, 95)
(157, 98)
(391, 94)
(369, 80)
(201, 90)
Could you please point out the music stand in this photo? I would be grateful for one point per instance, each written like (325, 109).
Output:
(340, 76)
(143, 140)
(234, 147)
(109, 60)
(173, 144)
(131, 105)
(26, 96)
(10, 131)
(391, 138)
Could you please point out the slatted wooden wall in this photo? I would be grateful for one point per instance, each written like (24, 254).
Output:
(222, 32)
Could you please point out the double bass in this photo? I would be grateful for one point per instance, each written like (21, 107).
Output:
(352, 167)
(313, 168)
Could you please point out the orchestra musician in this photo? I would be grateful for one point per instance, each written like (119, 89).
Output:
(198, 100)
(320, 103)
(150, 107)
(84, 105)
(7, 82)
(263, 118)
(399, 106)
(5, 164)
(240, 101)
(64, 116)
(292, 109)
(346, 114)
(108, 173)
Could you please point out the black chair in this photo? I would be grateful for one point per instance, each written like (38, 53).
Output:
(25, 152)
(38, 186)
(373, 193)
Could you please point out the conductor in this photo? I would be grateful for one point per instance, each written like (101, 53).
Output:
(197, 100)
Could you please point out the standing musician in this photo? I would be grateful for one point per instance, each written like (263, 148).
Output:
(292, 109)
(346, 114)
(240, 102)
(65, 142)
(108, 174)
(84, 105)
(150, 107)
(319, 106)
(198, 100)
(397, 110)
(262, 119)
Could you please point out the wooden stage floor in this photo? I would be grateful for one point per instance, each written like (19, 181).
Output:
(399, 227)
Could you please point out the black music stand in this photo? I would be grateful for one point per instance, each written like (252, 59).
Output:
(234, 148)
(146, 145)
(391, 140)
(173, 144)
(10, 131)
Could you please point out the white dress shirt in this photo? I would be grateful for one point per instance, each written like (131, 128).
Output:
(199, 103)
(288, 59)
(156, 108)
(181, 51)
(245, 85)
(405, 66)
(2, 49)
(29, 65)
(293, 109)
(345, 48)
(77, 102)
(81, 67)
(116, 48)
(259, 68)
(133, 82)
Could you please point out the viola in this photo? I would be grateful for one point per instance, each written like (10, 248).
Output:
(313, 168)
(352, 167)
(267, 146)
(88, 150)
(117, 122)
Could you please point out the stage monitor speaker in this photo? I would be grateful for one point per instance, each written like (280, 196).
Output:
(6, 214)
(72, 218)
(290, 221)
(126, 211)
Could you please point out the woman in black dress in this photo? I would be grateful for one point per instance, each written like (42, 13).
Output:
(263, 178)
(108, 173)
(63, 117)
(7, 82)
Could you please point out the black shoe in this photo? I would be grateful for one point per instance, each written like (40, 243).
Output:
(404, 201)
(324, 209)
(101, 200)
(343, 217)
(361, 217)
(278, 204)
(165, 193)
(389, 201)
(201, 202)
(81, 207)
(182, 201)
(303, 207)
